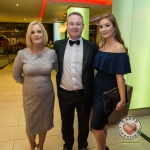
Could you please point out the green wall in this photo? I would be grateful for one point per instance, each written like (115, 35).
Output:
(133, 17)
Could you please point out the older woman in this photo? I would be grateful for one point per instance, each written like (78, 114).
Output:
(32, 68)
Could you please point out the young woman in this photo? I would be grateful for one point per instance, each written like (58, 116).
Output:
(111, 63)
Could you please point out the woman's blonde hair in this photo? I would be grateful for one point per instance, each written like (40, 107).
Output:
(28, 34)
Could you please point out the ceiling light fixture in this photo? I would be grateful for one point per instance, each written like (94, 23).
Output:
(17, 4)
(97, 18)
(61, 28)
(43, 9)
(99, 2)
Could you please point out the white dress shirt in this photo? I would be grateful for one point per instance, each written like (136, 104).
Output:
(72, 67)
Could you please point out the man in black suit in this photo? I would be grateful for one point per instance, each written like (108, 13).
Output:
(74, 81)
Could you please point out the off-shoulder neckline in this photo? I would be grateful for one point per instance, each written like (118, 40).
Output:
(112, 52)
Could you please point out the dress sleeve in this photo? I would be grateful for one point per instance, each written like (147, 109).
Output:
(55, 63)
(18, 68)
(113, 63)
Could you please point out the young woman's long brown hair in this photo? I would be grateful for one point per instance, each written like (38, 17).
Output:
(117, 33)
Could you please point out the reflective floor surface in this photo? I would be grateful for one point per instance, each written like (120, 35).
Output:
(12, 124)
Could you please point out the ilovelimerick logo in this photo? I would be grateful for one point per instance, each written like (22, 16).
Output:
(129, 127)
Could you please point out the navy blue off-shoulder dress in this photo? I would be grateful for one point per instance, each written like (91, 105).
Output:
(107, 64)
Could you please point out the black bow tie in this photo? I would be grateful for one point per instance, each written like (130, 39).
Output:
(73, 42)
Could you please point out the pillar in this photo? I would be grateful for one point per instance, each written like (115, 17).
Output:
(57, 34)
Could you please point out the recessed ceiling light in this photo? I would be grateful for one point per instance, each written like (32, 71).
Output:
(95, 19)
(17, 4)
(25, 19)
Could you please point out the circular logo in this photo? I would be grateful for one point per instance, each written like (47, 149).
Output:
(129, 127)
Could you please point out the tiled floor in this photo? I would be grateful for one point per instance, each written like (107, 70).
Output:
(12, 124)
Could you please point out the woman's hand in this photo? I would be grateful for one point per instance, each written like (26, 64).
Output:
(120, 105)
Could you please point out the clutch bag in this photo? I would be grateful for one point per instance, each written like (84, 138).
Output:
(111, 99)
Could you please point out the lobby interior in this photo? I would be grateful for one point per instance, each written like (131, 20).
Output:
(12, 123)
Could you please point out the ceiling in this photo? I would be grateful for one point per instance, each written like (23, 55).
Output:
(54, 10)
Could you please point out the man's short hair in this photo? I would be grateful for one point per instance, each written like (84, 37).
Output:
(75, 13)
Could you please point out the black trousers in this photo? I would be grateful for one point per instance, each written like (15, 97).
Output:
(68, 102)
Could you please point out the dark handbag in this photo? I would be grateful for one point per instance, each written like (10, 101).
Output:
(111, 99)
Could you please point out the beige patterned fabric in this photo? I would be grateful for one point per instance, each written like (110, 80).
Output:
(38, 94)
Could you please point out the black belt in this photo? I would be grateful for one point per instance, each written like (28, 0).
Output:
(77, 91)
(74, 91)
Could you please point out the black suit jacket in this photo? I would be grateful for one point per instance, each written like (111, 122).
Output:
(89, 51)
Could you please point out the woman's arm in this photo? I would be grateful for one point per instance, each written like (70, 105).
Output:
(121, 87)
(95, 72)
(55, 63)
(18, 69)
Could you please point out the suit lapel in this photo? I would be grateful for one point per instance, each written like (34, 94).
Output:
(86, 51)
(62, 52)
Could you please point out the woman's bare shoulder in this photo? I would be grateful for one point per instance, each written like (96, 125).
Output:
(120, 48)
